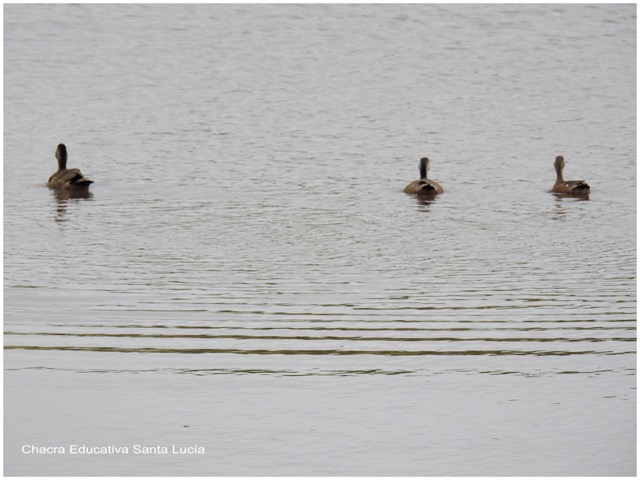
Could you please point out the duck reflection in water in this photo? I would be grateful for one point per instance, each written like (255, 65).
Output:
(424, 201)
(64, 198)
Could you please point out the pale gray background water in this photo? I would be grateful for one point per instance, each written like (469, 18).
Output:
(248, 275)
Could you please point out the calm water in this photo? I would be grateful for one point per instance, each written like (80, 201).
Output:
(247, 275)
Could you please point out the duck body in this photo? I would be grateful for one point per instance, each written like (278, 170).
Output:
(424, 186)
(67, 178)
(568, 187)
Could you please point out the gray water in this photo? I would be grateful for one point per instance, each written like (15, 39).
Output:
(247, 275)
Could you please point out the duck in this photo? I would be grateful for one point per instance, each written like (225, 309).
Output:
(424, 186)
(568, 187)
(67, 178)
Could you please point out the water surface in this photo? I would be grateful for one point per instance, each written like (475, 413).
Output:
(247, 275)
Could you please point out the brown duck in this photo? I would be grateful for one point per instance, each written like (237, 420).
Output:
(67, 178)
(568, 187)
(424, 186)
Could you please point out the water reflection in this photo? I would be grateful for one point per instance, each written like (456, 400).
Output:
(575, 196)
(341, 340)
(64, 197)
(425, 200)
(296, 351)
(560, 212)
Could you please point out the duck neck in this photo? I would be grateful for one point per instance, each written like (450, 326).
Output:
(423, 169)
(62, 160)
(559, 178)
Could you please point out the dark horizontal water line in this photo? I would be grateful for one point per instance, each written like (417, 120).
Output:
(323, 338)
(372, 313)
(367, 329)
(388, 317)
(240, 371)
(332, 352)
(310, 371)
(588, 304)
